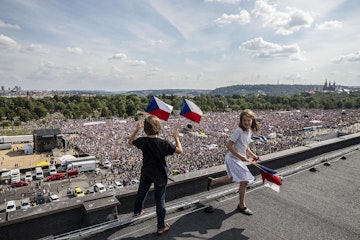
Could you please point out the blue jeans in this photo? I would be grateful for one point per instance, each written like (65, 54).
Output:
(159, 195)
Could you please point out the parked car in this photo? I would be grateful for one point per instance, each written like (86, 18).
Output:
(10, 206)
(40, 199)
(28, 176)
(19, 184)
(99, 187)
(25, 203)
(39, 174)
(56, 176)
(135, 182)
(72, 173)
(106, 164)
(52, 170)
(89, 191)
(54, 198)
(78, 192)
(110, 187)
(118, 184)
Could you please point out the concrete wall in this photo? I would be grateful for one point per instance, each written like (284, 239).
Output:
(78, 213)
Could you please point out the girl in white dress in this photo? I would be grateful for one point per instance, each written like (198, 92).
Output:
(239, 151)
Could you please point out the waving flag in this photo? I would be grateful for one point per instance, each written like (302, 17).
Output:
(266, 169)
(159, 108)
(270, 180)
(190, 111)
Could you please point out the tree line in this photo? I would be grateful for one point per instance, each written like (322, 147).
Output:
(13, 111)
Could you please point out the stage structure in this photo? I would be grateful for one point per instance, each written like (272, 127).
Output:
(45, 140)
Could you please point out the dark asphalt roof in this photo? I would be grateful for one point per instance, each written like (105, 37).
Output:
(321, 204)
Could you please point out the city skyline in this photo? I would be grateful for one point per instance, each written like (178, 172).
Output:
(137, 45)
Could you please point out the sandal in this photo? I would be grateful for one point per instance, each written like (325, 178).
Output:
(245, 210)
(163, 230)
(139, 214)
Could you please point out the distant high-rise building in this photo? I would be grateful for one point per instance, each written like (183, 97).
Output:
(2, 88)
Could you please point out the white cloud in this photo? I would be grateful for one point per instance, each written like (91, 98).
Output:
(118, 56)
(284, 22)
(352, 57)
(329, 25)
(7, 25)
(76, 50)
(136, 62)
(156, 42)
(7, 43)
(242, 18)
(36, 48)
(263, 48)
(124, 59)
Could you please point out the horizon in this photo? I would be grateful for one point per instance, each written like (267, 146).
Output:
(169, 89)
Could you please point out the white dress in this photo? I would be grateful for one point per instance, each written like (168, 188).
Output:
(236, 168)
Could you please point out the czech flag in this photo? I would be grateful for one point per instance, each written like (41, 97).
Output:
(190, 111)
(159, 108)
(270, 179)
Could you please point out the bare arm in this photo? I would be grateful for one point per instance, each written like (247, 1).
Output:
(133, 135)
(250, 153)
(177, 142)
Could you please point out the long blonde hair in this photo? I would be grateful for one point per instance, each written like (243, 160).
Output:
(249, 113)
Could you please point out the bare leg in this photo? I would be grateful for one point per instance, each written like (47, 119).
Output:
(223, 179)
(242, 191)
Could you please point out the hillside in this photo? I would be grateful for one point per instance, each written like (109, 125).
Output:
(267, 89)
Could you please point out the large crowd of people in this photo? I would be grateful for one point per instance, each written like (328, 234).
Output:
(204, 142)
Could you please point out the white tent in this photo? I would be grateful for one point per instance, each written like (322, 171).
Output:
(66, 157)
(56, 152)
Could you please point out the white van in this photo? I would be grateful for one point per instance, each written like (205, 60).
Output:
(39, 174)
(52, 170)
(15, 175)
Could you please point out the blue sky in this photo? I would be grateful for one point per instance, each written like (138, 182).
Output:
(188, 44)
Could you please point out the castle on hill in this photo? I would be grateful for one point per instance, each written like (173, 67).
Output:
(328, 87)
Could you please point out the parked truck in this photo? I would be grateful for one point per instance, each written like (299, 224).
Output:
(66, 160)
(84, 166)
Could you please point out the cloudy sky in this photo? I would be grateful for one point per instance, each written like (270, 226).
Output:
(120, 45)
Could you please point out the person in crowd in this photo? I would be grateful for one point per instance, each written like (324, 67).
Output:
(238, 147)
(154, 168)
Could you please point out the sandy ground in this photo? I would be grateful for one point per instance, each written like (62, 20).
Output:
(16, 158)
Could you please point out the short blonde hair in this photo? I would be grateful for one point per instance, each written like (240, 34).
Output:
(152, 125)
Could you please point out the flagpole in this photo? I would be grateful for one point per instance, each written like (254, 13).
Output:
(178, 121)
(255, 164)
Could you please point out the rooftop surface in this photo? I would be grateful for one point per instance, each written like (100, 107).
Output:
(323, 203)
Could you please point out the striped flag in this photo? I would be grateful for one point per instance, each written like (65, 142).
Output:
(270, 180)
(190, 111)
(159, 108)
